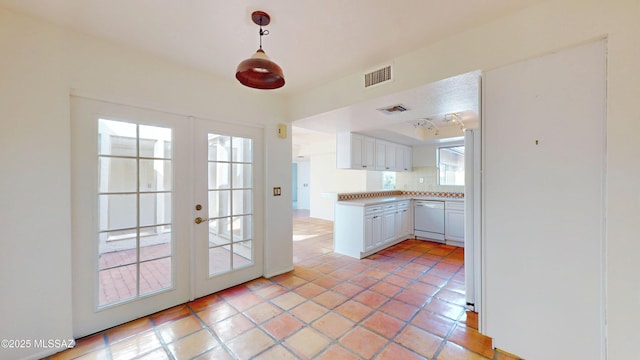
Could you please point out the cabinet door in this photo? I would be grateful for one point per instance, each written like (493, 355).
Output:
(372, 231)
(407, 162)
(405, 221)
(357, 144)
(390, 157)
(399, 164)
(369, 241)
(368, 153)
(380, 154)
(388, 226)
(403, 158)
(398, 220)
(454, 225)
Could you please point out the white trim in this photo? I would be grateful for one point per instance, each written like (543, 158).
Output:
(151, 106)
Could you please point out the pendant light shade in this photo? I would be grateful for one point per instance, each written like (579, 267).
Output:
(258, 71)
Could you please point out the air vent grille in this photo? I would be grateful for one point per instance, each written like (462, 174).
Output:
(377, 76)
(394, 109)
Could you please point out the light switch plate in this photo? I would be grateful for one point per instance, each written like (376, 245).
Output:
(282, 131)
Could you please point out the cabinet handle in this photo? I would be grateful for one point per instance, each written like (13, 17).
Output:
(364, 166)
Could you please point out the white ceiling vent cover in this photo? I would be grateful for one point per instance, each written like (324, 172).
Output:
(377, 76)
(394, 109)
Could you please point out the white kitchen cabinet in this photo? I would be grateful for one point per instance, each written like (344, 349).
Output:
(360, 231)
(389, 223)
(355, 151)
(454, 222)
(407, 157)
(385, 155)
(404, 225)
(390, 156)
(403, 158)
(396, 157)
(372, 227)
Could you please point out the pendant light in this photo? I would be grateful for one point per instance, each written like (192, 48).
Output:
(258, 71)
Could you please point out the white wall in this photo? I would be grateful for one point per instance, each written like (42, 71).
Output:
(543, 204)
(35, 227)
(326, 178)
(40, 63)
(39, 67)
(534, 31)
(425, 168)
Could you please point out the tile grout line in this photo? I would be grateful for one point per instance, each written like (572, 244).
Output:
(337, 263)
(163, 344)
(210, 330)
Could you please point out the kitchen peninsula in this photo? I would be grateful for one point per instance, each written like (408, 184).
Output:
(366, 223)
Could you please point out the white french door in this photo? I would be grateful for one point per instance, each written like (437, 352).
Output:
(228, 192)
(140, 178)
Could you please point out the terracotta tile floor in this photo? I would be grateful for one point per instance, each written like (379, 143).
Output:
(405, 302)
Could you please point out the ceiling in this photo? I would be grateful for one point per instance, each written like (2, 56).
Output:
(456, 95)
(313, 41)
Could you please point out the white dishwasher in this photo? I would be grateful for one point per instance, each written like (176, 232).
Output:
(429, 219)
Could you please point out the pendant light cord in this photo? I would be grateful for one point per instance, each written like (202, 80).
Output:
(262, 32)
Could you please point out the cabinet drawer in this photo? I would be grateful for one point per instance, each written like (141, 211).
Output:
(372, 210)
(454, 205)
(390, 208)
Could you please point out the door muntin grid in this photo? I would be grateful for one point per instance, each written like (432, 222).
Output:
(230, 203)
(135, 181)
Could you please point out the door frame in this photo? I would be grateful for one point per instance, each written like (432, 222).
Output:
(85, 109)
(202, 283)
(88, 316)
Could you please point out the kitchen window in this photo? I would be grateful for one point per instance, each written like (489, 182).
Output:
(388, 180)
(451, 165)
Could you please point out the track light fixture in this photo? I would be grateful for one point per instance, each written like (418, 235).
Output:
(426, 123)
(456, 119)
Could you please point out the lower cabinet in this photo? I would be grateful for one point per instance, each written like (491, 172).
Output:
(454, 223)
(389, 223)
(360, 231)
(372, 228)
(404, 220)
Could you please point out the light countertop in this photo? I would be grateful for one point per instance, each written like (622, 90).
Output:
(386, 199)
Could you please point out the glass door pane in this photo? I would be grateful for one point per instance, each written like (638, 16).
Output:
(135, 218)
(230, 185)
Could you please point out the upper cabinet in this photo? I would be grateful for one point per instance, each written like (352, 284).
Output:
(355, 151)
(404, 158)
(385, 155)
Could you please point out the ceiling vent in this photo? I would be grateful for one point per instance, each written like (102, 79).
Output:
(377, 76)
(394, 109)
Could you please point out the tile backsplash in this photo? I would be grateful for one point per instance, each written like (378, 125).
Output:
(410, 181)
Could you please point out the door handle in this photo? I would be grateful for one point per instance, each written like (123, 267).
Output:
(199, 220)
